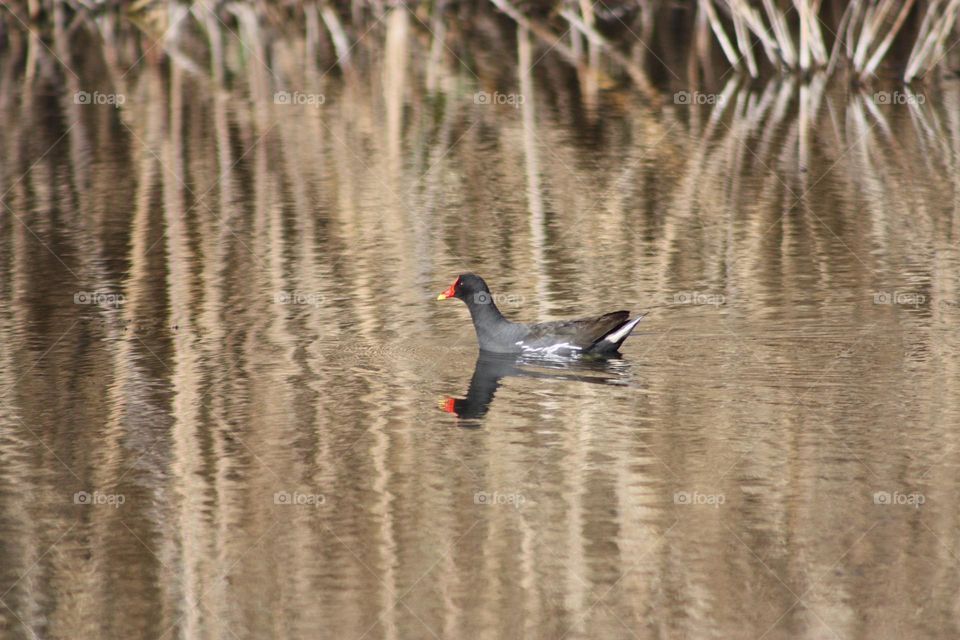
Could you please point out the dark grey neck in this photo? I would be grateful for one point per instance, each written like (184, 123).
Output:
(487, 320)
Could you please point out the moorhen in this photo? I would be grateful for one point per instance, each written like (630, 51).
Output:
(602, 335)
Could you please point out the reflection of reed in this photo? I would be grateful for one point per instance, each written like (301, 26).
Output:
(778, 197)
(532, 162)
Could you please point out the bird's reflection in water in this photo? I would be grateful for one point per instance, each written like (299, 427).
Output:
(492, 368)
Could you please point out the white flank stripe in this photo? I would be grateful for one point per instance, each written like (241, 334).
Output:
(549, 350)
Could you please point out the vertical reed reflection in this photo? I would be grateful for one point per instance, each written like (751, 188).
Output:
(277, 337)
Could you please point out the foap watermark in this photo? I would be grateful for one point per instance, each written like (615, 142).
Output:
(499, 299)
(298, 97)
(97, 498)
(897, 97)
(515, 500)
(512, 99)
(688, 98)
(902, 298)
(898, 498)
(299, 298)
(697, 498)
(698, 297)
(99, 298)
(86, 97)
(298, 499)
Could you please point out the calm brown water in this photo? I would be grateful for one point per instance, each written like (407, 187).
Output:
(222, 358)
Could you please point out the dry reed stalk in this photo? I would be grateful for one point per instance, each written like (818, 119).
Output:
(720, 33)
(931, 38)
(856, 18)
(702, 40)
(772, 45)
(838, 41)
(776, 38)
(341, 43)
(743, 42)
(536, 29)
(866, 33)
(782, 33)
(873, 20)
(820, 47)
(637, 74)
(881, 50)
(812, 49)
(923, 41)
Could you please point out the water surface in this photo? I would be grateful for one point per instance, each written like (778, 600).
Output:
(223, 368)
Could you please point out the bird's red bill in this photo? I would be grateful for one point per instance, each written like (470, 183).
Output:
(451, 290)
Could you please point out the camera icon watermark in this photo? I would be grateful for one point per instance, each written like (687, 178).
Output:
(499, 299)
(699, 499)
(86, 97)
(915, 500)
(900, 298)
(298, 298)
(897, 97)
(515, 500)
(298, 499)
(687, 98)
(96, 498)
(698, 298)
(315, 100)
(512, 99)
(99, 298)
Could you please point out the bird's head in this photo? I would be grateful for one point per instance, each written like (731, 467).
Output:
(467, 286)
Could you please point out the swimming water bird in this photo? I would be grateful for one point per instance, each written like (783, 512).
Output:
(602, 335)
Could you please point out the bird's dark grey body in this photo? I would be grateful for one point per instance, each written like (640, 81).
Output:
(496, 334)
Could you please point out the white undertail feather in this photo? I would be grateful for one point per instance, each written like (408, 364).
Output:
(623, 331)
